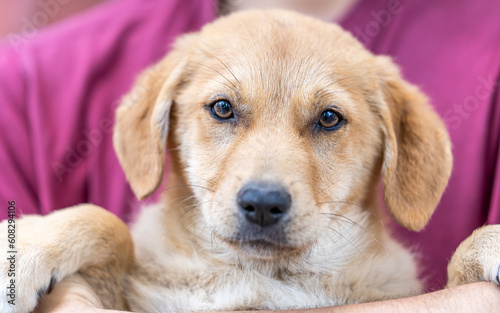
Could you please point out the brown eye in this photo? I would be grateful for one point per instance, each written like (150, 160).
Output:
(222, 109)
(329, 120)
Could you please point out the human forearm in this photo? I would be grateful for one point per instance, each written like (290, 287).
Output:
(477, 297)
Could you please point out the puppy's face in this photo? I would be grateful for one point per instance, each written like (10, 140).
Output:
(280, 131)
(280, 121)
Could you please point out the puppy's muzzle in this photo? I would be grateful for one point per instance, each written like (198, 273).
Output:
(263, 204)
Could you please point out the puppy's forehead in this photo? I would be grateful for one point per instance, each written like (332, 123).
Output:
(282, 56)
(281, 36)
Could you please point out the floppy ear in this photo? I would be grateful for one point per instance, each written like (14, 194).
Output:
(141, 129)
(417, 150)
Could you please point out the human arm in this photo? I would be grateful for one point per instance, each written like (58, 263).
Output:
(74, 294)
(475, 297)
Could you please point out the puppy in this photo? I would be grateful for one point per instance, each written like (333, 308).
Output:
(278, 128)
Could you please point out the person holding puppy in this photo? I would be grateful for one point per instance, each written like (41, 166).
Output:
(79, 166)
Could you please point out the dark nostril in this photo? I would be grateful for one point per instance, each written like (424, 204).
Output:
(263, 204)
(249, 208)
(275, 211)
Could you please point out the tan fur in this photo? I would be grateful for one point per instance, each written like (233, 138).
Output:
(83, 238)
(477, 258)
(279, 70)
(414, 178)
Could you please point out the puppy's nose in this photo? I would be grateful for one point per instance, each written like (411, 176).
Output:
(263, 204)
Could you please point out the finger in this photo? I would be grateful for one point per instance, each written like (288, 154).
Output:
(73, 294)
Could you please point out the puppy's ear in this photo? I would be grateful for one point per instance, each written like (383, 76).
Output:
(417, 150)
(142, 119)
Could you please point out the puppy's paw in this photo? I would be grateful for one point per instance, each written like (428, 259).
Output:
(26, 299)
(26, 272)
(50, 248)
(477, 258)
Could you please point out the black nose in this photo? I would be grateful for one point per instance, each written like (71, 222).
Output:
(263, 204)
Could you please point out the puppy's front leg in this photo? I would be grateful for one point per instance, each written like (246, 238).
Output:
(84, 238)
(477, 258)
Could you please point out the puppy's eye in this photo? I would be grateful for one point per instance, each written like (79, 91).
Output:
(222, 109)
(329, 120)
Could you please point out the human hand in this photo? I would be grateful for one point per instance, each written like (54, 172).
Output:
(72, 295)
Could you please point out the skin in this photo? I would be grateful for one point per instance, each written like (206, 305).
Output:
(19, 17)
(326, 10)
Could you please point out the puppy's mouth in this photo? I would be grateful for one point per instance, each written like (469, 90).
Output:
(263, 248)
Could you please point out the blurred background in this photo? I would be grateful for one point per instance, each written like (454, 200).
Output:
(17, 16)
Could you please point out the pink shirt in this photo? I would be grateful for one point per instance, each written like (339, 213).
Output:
(58, 92)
